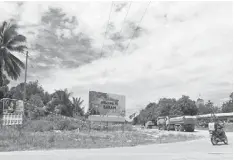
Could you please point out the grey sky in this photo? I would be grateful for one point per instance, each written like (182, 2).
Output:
(180, 48)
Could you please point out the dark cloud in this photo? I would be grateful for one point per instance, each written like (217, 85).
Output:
(130, 30)
(120, 6)
(50, 44)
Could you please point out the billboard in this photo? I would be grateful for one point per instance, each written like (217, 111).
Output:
(106, 104)
(12, 106)
(12, 111)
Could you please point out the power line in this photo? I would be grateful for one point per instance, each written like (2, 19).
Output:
(123, 22)
(112, 3)
(137, 26)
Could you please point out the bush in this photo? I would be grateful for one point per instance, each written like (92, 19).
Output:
(52, 122)
(63, 125)
(51, 139)
(38, 126)
(33, 112)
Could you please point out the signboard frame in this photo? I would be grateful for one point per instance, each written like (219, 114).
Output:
(12, 112)
(106, 104)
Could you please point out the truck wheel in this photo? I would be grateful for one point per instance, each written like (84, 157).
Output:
(190, 130)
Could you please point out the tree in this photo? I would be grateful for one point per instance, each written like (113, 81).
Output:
(32, 88)
(77, 110)
(4, 88)
(209, 107)
(10, 42)
(143, 116)
(36, 100)
(217, 109)
(227, 107)
(165, 106)
(46, 98)
(62, 98)
(176, 110)
(202, 109)
(135, 120)
(231, 97)
(185, 106)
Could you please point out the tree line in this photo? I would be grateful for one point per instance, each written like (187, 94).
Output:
(39, 102)
(180, 107)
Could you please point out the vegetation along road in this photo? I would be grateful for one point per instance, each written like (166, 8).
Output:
(190, 150)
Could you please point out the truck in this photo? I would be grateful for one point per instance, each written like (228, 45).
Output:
(177, 123)
(149, 125)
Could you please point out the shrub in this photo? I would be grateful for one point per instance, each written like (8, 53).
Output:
(62, 125)
(38, 125)
(51, 139)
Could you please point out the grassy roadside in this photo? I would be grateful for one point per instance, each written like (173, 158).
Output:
(56, 133)
(13, 140)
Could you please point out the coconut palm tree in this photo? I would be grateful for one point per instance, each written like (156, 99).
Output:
(62, 98)
(77, 102)
(10, 43)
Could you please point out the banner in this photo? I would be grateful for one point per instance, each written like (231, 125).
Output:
(12, 119)
(12, 106)
(12, 111)
(106, 104)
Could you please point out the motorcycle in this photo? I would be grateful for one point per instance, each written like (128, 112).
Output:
(215, 137)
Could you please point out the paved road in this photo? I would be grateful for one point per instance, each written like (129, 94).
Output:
(193, 150)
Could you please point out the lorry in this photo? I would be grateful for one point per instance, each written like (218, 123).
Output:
(177, 123)
(149, 125)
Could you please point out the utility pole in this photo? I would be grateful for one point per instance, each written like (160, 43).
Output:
(25, 78)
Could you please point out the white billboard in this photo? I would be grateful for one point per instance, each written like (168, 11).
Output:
(12, 111)
(12, 106)
(106, 104)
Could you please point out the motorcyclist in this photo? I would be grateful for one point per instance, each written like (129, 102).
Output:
(219, 128)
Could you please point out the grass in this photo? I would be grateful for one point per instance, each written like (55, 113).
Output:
(51, 122)
(13, 139)
(178, 138)
(41, 135)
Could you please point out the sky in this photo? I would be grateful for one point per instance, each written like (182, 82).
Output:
(178, 48)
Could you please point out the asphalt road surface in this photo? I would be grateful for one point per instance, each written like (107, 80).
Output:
(201, 149)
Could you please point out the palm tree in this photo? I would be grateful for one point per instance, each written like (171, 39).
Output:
(77, 102)
(10, 42)
(63, 100)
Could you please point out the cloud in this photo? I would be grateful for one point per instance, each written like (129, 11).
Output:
(182, 48)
